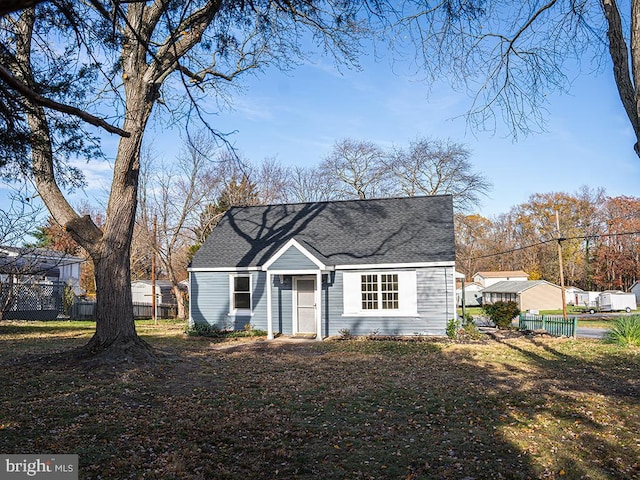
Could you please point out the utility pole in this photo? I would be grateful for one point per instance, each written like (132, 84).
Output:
(153, 273)
(560, 240)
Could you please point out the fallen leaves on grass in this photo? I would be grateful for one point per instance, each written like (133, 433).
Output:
(518, 408)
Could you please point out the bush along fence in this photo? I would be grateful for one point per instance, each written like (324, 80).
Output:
(82, 310)
(555, 325)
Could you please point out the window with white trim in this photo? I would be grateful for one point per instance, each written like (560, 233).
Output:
(241, 293)
(381, 293)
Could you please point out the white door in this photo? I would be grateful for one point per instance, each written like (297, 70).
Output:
(306, 305)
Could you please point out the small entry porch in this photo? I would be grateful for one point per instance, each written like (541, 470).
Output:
(305, 312)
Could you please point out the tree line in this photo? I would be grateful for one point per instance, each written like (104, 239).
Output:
(600, 238)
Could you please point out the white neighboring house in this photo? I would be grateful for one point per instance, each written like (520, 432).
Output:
(572, 295)
(486, 279)
(39, 265)
(472, 295)
(587, 299)
(141, 292)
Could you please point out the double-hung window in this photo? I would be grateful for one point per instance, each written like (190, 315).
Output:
(241, 293)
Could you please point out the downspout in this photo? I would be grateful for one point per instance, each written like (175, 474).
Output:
(318, 296)
(269, 308)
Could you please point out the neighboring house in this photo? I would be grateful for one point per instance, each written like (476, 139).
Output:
(635, 289)
(472, 295)
(39, 265)
(572, 295)
(587, 299)
(363, 266)
(487, 279)
(529, 294)
(141, 292)
(33, 282)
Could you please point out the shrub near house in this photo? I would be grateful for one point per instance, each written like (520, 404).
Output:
(502, 313)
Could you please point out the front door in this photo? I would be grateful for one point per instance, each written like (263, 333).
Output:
(306, 305)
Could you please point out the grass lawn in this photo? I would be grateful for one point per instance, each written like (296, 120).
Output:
(358, 409)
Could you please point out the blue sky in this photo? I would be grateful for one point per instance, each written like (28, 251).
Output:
(297, 116)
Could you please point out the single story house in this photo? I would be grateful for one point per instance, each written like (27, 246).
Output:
(322, 268)
(487, 279)
(529, 294)
(572, 295)
(472, 295)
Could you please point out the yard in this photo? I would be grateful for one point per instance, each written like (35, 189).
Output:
(514, 407)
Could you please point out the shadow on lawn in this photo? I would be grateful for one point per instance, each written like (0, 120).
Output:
(601, 447)
(337, 410)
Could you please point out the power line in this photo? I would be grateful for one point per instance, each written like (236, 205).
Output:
(560, 239)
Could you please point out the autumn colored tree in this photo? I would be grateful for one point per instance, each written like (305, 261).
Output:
(525, 237)
(617, 259)
(473, 242)
(53, 236)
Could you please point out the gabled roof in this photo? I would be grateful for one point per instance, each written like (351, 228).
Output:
(515, 287)
(351, 232)
(504, 273)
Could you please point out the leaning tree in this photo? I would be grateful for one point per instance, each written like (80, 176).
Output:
(111, 64)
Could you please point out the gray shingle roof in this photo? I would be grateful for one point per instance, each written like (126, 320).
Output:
(379, 231)
(514, 287)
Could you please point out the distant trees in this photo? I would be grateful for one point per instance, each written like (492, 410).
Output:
(173, 197)
(362, 169)
(436, 167)
(356, 168)
(601, 246)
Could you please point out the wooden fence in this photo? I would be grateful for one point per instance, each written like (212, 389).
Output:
(555, 325)
(83, 310)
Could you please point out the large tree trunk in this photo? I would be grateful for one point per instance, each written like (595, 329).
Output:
(115, 336)
(180, 299)
(115, 333)
(627, 77)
